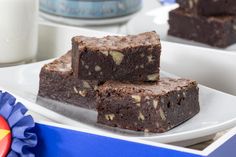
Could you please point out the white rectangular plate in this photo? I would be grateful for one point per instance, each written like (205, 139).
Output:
(218, 110)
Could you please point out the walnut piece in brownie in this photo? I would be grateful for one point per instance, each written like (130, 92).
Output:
(58, 83)
(148, 107)
(208, 7)
(219, 31)
(130, 58)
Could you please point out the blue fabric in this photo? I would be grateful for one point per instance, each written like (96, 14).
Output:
(21, 126)
(59, 142)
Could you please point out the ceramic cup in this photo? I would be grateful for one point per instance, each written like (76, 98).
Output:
(18, 30)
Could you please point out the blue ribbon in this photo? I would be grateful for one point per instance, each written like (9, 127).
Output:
(21, 126)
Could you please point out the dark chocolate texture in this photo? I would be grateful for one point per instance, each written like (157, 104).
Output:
(219, 31)
(130, 58)
(209, 7)
(148, 107)
(58, 83)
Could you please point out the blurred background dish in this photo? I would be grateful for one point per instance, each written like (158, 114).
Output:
(89, 12)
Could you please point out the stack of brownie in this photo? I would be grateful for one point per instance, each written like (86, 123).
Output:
(212, 22)
(119, 76)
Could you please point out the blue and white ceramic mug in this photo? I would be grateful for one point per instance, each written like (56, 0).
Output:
(90, 9)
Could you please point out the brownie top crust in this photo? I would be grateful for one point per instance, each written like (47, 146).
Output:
(208, 7)
(63, 64)
(117, 42)
(219, 18)
(164, 86)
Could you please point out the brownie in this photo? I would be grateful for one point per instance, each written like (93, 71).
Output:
(130, 58)
(58, 83)
(209, 7)
(218, 31)
(148, 107)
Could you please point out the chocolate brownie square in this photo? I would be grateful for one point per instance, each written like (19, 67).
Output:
(130, 58)
(149, 107)
(208, 7)
(58, 83)
(218, 31)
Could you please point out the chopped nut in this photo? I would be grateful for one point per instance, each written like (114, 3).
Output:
(162, 114)
(141, 116)
(150, 59)
(86, 84)
(184, 94)
(101, 73)
(153, 77)
(234, 27)
(75, 89)
(138, 104)
(168, 127)
(105, 53)
(155, 103)
(147, 97)
(98, 68)
(142, 55)
(136, 67)
(82, 62)
(178, 88)
(127, 127)
(109, 117)
(95, 87)
(190, 4)
(86, 66)
(83, 93)
(142, 66)
(162, 100)
(89, 73)
(117, 57)
(136, 98)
